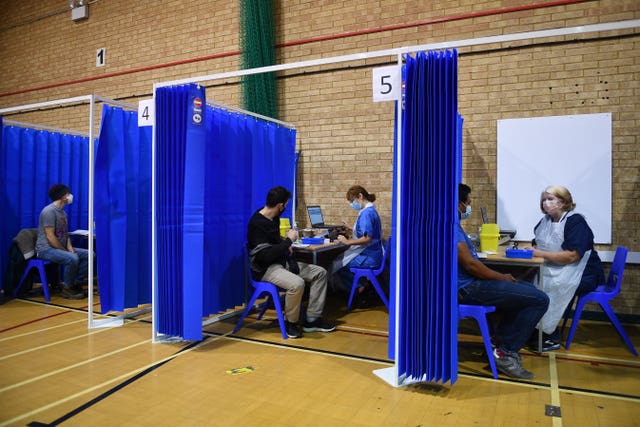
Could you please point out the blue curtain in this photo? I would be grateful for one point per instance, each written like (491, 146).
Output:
(180, 185)
(123, 210)
(30, 162)
(211, 175)
(245, 158)
(428, 258)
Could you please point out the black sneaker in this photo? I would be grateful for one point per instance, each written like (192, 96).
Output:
(70, 293)
(318, 325)
(293, 330)
(549, 345)
(510, 365)
(79, 289)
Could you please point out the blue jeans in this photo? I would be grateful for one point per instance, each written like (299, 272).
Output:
(75, 264)
(521, 305)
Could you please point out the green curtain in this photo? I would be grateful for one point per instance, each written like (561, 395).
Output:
(257, 41)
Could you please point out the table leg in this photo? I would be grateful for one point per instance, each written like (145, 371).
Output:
(541, 287)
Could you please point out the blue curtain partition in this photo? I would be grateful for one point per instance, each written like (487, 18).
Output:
(30, 162)
(431, 158)
(213, 170)
(122, 210)
(245, 157)
(180, 150)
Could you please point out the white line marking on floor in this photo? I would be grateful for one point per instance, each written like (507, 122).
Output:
(37, 331)
(20, 353)
(95, 387)
(84, 362)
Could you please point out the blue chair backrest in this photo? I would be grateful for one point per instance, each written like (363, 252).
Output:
(248, 259)
(617, 270)
(387, 248)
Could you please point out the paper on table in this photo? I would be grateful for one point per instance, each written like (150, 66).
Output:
(299, 245)
(80, 232)
(481, 254)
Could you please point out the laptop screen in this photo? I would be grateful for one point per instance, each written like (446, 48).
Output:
(485, 218)
(315, 215)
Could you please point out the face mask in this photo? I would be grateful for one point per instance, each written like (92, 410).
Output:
(467, 213)
(356, 205)
(550, 205)
(70, 199)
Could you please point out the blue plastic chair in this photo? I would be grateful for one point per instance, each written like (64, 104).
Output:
(273, 295)
(370, 274)
(39, 265)
(602, 295)
(479, 312)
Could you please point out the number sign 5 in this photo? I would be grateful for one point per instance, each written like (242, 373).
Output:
(387, 83)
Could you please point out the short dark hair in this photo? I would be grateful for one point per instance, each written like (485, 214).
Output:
(277, 195)
(57, 191)
(463, 192)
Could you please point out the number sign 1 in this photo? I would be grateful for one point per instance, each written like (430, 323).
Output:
(387, 83)
(101, 57)
(146, 112)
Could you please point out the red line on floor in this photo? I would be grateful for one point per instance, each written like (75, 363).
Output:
(33, 321)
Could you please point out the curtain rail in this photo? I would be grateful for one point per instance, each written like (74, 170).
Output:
(42, 127)
(632, 24)
(250, 113)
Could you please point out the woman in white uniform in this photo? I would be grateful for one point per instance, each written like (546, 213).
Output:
(572, 265)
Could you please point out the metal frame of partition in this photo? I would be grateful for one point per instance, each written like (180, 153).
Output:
(92, 99)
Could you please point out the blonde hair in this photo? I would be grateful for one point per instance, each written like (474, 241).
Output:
(561, 193)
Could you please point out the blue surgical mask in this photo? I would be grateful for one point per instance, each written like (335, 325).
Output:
(356, 205)
(466, 214)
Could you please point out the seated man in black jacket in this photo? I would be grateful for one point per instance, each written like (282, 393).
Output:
(272, 261)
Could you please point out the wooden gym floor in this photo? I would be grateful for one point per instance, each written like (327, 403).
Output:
(54, 370)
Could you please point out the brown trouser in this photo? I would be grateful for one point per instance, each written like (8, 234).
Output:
(313, 274)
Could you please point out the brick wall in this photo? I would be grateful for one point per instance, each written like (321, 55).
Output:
(343, 136)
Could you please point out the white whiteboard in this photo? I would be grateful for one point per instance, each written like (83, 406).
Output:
(573, 151)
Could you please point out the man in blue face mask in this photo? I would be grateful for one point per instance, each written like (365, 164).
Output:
(464, 205)
(521, 304)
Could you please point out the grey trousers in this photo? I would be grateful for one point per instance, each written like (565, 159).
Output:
(313, 274)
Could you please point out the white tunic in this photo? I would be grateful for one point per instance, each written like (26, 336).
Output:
(560, 281)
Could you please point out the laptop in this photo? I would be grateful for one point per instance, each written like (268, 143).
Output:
(485, 218)
(316, 219)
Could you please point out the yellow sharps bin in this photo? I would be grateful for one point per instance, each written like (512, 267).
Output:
(285, 225)
(489, 236)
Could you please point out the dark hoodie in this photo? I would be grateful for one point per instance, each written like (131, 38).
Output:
(273, 248)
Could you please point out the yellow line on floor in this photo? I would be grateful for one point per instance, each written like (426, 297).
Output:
(555, 393)
(84, 362)
(376, 332)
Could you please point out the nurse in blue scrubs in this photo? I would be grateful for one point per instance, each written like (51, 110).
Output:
(365, 244)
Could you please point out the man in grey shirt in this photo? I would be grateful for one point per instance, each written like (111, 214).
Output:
(54, 245)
